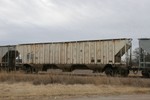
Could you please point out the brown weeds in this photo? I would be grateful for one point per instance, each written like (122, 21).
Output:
(45, 79)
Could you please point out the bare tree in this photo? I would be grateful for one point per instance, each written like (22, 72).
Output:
(136, 56)
(136, 53)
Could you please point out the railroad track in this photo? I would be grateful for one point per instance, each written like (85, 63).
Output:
(85, 74)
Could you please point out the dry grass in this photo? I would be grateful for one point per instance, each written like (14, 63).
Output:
(38, 79)
(18, 86)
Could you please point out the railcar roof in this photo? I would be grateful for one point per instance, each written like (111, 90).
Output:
(78, 41)
(144, 38)
(8, 46)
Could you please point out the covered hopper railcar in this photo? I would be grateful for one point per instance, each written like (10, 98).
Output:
(8, 56)
(144, 56)
(97, 55)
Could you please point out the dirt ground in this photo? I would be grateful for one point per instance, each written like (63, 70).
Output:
(114, 97)
(109, 97)
(28, 91)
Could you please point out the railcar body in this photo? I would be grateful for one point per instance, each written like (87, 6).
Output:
(98, 55)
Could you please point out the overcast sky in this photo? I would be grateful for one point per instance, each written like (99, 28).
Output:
(26, 21)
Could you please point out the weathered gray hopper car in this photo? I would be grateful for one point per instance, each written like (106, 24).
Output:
(8, 55)
(98, 55)
(144, 56)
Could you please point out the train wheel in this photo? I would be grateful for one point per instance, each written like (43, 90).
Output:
(116, 72)
(109, 71)
(28, 70)
(145, 74)
(35, 71)
(124, 72)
